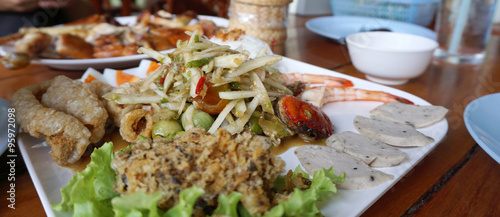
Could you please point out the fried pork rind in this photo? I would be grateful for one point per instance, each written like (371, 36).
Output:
(100, 88)
(69, 114)
(75, 98)
(65, 134)
(136, 123)
(217, 163)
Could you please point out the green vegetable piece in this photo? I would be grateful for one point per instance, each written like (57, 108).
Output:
(187, 198)
(176, 58)
(276, 211)
(228, 205)
(200, 119)
(242, 211)
(199, 62)
(196, 38)
(303, 202)
(128, 148)
(272, 70)
(166, 128)
(137, 204)
(256, 114)
(66, 203)
(142, 138)
(184, 120)
(268, 106)
(279, 182)
(235, 85)
(337, 179)
(274, 127)
(180, 133)
(253, 125)
(90, 191)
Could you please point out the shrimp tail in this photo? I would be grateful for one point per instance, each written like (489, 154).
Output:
(321, 95)
(323, 80)
(404, 100)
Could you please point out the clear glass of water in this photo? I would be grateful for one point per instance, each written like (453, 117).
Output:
(463, 30)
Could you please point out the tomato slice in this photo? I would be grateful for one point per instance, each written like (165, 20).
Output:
(211, 103)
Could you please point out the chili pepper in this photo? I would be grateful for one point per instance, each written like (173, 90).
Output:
(200, 84)
(162, 80)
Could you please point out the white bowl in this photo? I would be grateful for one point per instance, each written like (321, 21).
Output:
(388, 57)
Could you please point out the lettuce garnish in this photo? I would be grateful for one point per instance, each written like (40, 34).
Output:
(303, 202)
(137, 204)
(187, 198)
(90, 193)
(228, 205)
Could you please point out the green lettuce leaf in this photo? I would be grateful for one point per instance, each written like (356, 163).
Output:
(137, 204)
(298, 170)
(242, 211)
(303, 202)
(228, 205)
(187, 198)
(90, 191)
(280, 181)
(336, 179)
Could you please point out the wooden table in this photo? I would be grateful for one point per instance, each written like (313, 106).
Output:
(456, 179)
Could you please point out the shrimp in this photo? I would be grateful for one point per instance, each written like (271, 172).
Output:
(303, 114)
(331, 81)
(321, 95)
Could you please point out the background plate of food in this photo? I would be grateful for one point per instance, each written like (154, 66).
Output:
(100, 42)
(348, 104)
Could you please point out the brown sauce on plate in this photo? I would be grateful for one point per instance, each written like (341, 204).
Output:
(291, 142)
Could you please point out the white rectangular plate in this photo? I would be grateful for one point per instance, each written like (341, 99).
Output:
(50, 178)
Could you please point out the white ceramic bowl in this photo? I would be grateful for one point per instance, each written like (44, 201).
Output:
(388, 57)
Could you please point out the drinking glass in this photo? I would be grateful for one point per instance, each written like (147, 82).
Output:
(463, 30)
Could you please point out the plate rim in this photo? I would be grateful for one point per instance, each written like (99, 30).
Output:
(310, 24)
(468, 124)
